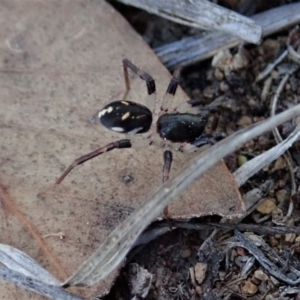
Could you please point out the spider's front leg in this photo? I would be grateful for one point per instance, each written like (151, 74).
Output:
(134, 142)
(150, 83)
(80, 160)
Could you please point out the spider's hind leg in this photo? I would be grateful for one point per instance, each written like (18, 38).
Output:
(204, 139)
(168, 158)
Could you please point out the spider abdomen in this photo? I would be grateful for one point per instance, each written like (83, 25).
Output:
(181, 127)
(126, 117)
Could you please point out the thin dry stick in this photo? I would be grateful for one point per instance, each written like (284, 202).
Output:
(113, 250)
(293, 54)
(266, 89)
(270, 67)
(243, 173)
(260, 229)
(287, 154)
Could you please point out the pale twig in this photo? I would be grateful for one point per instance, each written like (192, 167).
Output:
(270, 67)
(266, 89)
(287, 154)
(293, 54)
(250, 168)
(290, 51)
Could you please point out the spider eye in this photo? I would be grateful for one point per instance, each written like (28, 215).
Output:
(126, 117)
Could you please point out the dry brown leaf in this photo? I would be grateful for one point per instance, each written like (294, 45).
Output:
(61, 61)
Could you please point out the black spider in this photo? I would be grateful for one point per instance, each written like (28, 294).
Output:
(179, 129)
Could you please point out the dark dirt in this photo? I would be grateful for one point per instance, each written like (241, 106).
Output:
(231, 273)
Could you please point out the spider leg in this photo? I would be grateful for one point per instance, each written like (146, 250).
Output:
(203, 139)
(206, 138)
(131, 142)
(114, 145)
(216, 118)
(171, 90)
(195, 102)
(168, 158)
(151, 89)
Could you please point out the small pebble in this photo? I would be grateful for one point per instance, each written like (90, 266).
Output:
(280, 164)
(281, 195)
(196, 93)
(222, 275)
(245, 121)
(267, 207)
(200, 272)
(252, 102)
(259, 274)
(273, 241)
(224, 87)
(239, 60)
(127, 178)
(258, 119)
(249, 288)
(290, 237)
(185, 253)
(218, 74)
(269, 48)
(209, 92)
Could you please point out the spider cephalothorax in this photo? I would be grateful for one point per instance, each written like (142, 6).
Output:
(177, 129)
